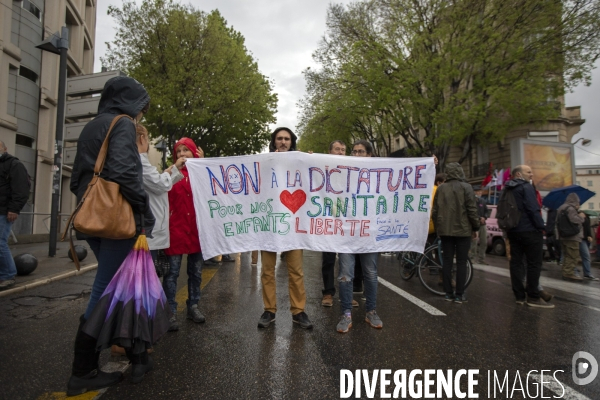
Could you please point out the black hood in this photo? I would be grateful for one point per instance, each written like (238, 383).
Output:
(123, 95)
(513, 183)
(5, 157)
(272, 144)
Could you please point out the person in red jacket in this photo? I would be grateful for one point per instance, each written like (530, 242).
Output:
(184, 238)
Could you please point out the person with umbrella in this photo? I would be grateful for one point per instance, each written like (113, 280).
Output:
(584, 249)
(569, 214)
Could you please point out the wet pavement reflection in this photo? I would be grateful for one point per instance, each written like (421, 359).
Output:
(229, 357)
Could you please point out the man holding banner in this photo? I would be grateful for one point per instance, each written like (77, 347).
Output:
(287, 200)
(282, 140)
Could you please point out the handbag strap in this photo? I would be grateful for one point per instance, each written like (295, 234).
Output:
(104, 149)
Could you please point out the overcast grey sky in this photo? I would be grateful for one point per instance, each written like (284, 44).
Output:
(283, 34)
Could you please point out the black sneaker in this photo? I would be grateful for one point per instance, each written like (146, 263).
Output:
(459, 299)
(265, 319)
(95, 380)
(227, 258)
(138, 371)
(538, 303)
(302, 320)
(173, 325)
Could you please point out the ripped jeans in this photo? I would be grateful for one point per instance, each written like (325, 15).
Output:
(346, 276)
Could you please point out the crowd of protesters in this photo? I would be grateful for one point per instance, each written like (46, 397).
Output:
(163, 206)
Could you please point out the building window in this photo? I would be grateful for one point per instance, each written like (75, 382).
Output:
(578, 183)
(24, 141)
(29, 74)
(29, 6)
(590, 183)
(591, 206)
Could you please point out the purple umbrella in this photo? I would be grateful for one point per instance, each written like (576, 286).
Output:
(133, 310)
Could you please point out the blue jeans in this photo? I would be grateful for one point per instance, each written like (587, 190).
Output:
(110, 254)
(346, 276)
(8, 270)
(195, 262)
(586, 259)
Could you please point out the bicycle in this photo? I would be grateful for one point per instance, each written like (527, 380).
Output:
(429, 267)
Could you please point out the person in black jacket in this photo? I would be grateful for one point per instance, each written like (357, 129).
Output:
(14, 192)
(479, 245)
(526, 239)
(121, 95)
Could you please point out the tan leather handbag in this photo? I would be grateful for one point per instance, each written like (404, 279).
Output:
(102, 211)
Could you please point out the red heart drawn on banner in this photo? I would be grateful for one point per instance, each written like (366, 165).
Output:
(293, 201)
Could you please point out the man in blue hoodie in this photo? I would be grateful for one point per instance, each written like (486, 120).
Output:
(526, 239)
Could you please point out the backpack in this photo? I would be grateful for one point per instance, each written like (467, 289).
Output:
(507, 214)
(566, 228)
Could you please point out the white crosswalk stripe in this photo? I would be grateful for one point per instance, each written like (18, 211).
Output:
(420, 303)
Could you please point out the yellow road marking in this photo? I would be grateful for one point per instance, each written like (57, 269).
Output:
(63, 395)
(182, 294)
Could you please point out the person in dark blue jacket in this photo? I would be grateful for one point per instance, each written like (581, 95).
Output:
(526, 239)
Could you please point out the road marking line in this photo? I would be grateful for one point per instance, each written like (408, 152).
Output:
(63, 395)
(420, 303)
(569, 393)
(570, 287)
(182, 294)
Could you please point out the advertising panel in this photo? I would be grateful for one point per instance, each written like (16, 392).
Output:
(552, 163)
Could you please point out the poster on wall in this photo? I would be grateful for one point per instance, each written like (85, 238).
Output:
(552, 163)
(285, 201)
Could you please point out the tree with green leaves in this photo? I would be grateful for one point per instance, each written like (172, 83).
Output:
(438, 73)
(203, 82)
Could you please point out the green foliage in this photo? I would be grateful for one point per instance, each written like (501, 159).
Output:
(202, 80)
(438, 73)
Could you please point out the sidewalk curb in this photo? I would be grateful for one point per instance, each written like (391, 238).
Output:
(45, 281)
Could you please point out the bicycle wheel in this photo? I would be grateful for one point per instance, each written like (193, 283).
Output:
(469, 273)
(408, 261)
(430, 272)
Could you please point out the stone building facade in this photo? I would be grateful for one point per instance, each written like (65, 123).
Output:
(588, 176)
(29, 91)
(560, 129)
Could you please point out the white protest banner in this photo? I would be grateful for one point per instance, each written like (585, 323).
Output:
(295, 200)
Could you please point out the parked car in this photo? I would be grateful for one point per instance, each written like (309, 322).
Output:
(495, 241)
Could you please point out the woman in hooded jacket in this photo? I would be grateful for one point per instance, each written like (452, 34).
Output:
(184, 238)
(121, 95)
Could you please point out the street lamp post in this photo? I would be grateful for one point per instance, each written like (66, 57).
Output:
(585, 142)
(162, 147)
(58, 45)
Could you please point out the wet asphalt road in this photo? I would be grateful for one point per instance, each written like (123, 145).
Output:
(229, 357)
